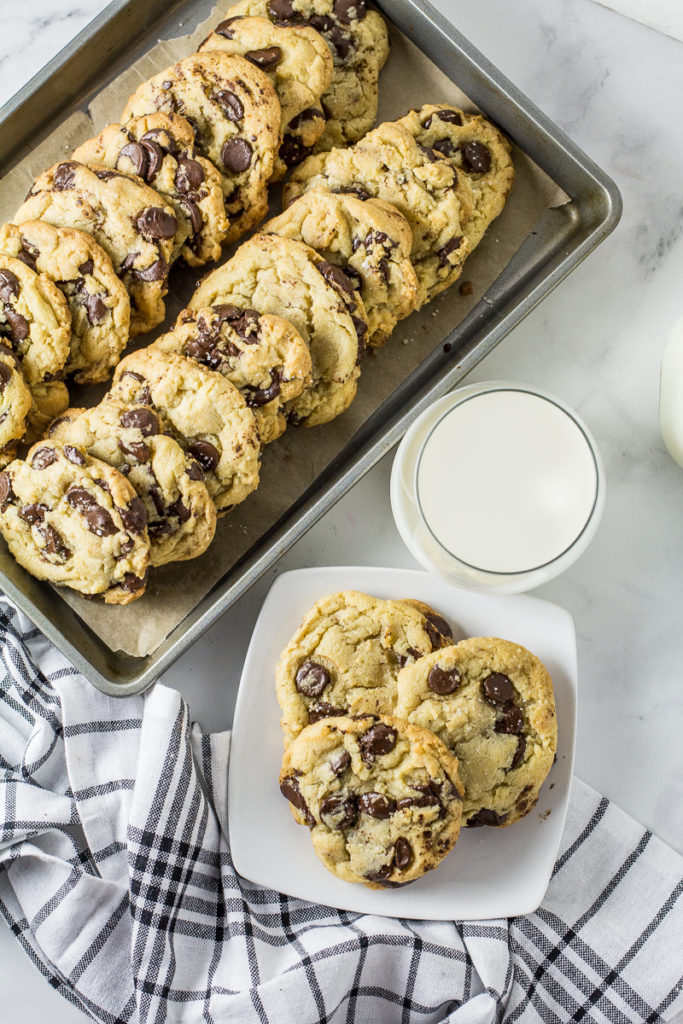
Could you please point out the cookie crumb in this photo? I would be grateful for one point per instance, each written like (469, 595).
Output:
(466, 288)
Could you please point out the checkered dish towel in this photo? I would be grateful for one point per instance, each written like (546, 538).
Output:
(116, 877)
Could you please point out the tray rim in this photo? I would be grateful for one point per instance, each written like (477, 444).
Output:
(416, 18)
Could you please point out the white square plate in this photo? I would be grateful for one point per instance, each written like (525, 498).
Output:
(491, 872)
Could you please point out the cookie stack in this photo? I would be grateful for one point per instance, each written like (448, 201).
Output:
(377, 222)
(395, 735)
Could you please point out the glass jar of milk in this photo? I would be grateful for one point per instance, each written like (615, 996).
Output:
(497, 486)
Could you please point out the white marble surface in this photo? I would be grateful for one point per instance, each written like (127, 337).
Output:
(595, 342)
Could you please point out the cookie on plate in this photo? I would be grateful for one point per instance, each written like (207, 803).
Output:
(235, 112)
(160, 149)
(97, 300)
(359, 42)
(35, 322)
(48, 400)
(73, 520)
(389, 164)
(264, 356)
(491, 702)
(205, 414)
(382, 798)
(288, 279)
(299, 64)
(345, 658)
(131, 222)
(181, 517)
(15, 398)
(475, 148)
(370, 240)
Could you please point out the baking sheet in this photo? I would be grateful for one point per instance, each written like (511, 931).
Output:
(291, 465)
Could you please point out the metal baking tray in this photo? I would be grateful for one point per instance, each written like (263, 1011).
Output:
(561, 239)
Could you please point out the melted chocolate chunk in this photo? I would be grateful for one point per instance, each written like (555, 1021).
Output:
(497, 688)
(138, 156)
(169, 144)
(443, 682)
(341, 40)
(223, 29)
(5, 487)
(43, 458)
(449, 116)
(34, 513)
(350, 10)
(189, 176)
(140, 419)
(134, 516)
(95, 309)
(339, 811)
(98, 519)
(9, 285)
(376, 805)
(324, 711)
(54, 542)
(476, 157)
(137, 450)
(5, 376)
(292, 151)
(289, 787)
(335, 275)
(311, 679)
(448, 248)
(309, 114)
(379, 739)
(133, 583)
(444, 146)
(155, 158)
(511, 721)
(206, 454)
(154, 223)
(486, 817)
(403, 854)
(230, 104)
(256, 397)
(195, 471)
(340, 763)
(195, 215)
(269, 57)
(180, 510)
(156, 272)
(518, 755)
(74, 455)
(86, 268)
(28, 255)
(282, 12)
(236, 155)
(64, 177)
(440, 624)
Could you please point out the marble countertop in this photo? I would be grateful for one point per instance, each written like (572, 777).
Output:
(595, 342)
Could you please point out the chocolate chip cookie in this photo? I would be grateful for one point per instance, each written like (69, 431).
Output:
(358, 40)
(235, 113)
(390, 164)
(476, 149)
(15, 398)
(73, 520)
(160, 149)
(345, 658)
(264, 356)
(181, 517)
(48, 399)
(35, 322)
(299, 64)
(491, 702)
(371, 242)
(131, 222)
(288, 279)
(205, 414)
(382, 798)
(97, 300)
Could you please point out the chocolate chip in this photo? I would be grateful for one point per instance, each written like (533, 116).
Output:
(518, 755)
(428, 152)
(476, 157)
(308, 114)
(9, 285)
(134, 516)
(379, 739)
(140, 419)
(5, 376)
(324, 711)
(256, 397)
(289, 787)
(29, 254)
(443, 681)
(236, 155)
(129, 262)
(180, 509)
(64, 177)
(33, 513)
(19, 328)
(448, 248)
(98, 519)
(155, 158)
(54, 542)
(5, 487)
(230, 104)
(74, 455)
(137, 450)
(486, 817)
(511, 721)
(156, 272)
(449, 116)
(376, 805)
(339, 811)
(350, 10)
(195, 471)
(86, 268)
(342, 42)
(269, 57)
(335, 275)
(498, 688)
(189, 176)
(137, 155)
(223, 29)
(427, 798)
(440, 624)
(107, 175)
(154, 223)
(282, 11)
(133, 583)
(340, 763)
(195, 215)
(292, 151)
(311, 679)
(43, 458)
(96, 309)
(444, 146)
(403, 854)
(206, 454)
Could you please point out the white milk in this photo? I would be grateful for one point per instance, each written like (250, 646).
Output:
(506, 481)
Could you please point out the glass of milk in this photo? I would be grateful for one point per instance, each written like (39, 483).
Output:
(497, 487)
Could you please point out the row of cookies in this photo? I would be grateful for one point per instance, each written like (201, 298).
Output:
(395, 735)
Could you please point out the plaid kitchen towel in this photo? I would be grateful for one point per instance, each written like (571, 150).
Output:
(116, 877)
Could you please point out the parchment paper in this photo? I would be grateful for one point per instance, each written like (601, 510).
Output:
(293, 463)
